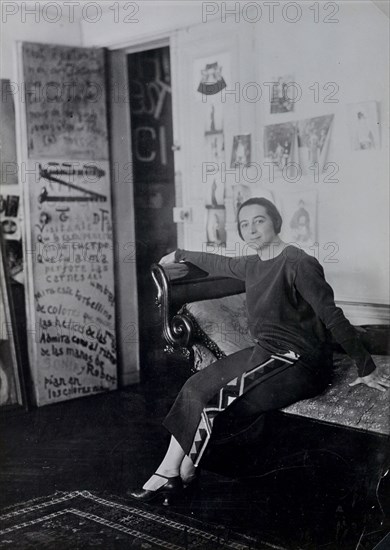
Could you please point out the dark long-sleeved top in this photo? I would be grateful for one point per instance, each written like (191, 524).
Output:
(290, 305)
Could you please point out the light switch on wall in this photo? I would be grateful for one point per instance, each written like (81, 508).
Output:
(182, 214)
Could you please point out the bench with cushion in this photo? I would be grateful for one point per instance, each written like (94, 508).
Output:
(205, 317)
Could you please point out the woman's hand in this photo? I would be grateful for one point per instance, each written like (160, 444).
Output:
(373, 380)
(168, 259)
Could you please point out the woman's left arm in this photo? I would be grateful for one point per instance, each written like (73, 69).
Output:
(311, 284)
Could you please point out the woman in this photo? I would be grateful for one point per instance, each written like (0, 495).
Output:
(291, 314)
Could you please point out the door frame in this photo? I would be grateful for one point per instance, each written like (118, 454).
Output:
(123, 196)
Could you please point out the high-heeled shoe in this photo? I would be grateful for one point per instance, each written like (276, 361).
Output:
(168, 492)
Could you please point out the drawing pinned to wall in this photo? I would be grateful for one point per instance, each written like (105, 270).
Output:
(241, 151)
(211, 74)
(214, 155)
(11, 382)
(213, 117)
(313, 137)
(299, 213)
(280, 145)
(216, 225)
(363, 121)
(241, 193)
(282, 94)
(10, 212)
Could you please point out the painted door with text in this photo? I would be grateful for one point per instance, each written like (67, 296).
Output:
(153, 170)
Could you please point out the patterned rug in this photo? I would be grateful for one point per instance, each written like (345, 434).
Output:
(81, 519)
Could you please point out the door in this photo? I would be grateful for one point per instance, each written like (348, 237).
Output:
(149, 76)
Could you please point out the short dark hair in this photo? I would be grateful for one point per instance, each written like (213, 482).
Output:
(270, 208)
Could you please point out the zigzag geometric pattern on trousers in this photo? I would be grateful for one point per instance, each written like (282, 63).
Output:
(229, 393)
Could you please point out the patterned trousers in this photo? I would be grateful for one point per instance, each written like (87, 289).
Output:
(247, 384)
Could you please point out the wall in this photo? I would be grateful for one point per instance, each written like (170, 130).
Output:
(352, 213)
(32, 27)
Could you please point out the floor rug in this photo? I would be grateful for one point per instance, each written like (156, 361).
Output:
(81, 519)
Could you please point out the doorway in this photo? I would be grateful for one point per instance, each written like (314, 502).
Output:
(149, 77)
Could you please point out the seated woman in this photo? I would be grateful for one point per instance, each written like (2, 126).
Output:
(291, 314)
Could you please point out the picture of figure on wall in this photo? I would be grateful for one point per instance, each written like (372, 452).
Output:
(214, 157)
(213, 117)
(241, 151)
(282, 96)
(241, 193)
(9, 212)
(299, 210)
(280, 145)
(363, 121)
(211, 74)
(215, 229)
(313, 136)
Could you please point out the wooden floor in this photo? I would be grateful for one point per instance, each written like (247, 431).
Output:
(109, 443)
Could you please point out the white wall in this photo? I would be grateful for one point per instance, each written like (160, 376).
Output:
(137, 22)
(353, 213)
(21, 25)
(353, 54)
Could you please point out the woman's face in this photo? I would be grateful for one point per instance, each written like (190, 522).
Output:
(256, 226)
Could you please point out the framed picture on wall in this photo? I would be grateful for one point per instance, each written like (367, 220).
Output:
(299, 213)
(282, 100)
(12, 394)
(216, 225)
(363, 122)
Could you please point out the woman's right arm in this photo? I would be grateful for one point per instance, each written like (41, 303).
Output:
(213, 264)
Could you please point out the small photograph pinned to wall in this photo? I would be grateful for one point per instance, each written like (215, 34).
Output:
(216, 225)
(211, 74)
(214, 157)
(282, 94)
(364, 125)
(213, 116)
(313, 137)
(9, 212)
(241, 193)
(299, 213)
(13, 250)
(241, 151)
(280, 145)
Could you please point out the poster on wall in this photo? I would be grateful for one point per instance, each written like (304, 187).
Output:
(214, 155)
(10, 212)
(313, 137)
(282, 98)
(299, 213)
(364, 125)
(11, 381)
(211, 74)
(302, 144)
(241, 151)
(216, 225)
(241, 193)
(280, 145)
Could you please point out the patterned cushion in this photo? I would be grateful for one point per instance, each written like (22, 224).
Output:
(357, 406)
(222, 322)
(221, 328)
